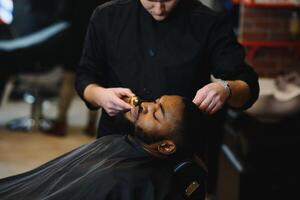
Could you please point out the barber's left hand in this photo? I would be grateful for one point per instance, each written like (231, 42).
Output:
(211, 97)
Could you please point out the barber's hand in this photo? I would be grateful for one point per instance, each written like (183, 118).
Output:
(110, 99)
(211, 97)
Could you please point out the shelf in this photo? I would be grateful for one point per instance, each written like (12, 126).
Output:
(252, 3)
(271, 43)
(255, 45)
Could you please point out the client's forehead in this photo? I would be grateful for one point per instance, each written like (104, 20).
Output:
(172, 104)
(171, 99)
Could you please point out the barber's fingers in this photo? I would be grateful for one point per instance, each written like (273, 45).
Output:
(200, 96)
(112, 102)
(216, 108)
(210, 106)
(111, 113)
(124, 92)
(204, 106)
(210, 98)
(115, 110)
(210, 103)
(121, 105)
(116, 106)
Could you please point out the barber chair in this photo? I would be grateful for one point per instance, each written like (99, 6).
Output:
(33, 44)
(259, 158)
(36, 89)
(190, 177)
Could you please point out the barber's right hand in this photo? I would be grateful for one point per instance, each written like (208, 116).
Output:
(110, 99)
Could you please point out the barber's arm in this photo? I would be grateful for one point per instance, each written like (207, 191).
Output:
(240, 93)
(91, 74)
(236, 82)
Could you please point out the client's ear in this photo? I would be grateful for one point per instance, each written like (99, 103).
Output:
(166, 147)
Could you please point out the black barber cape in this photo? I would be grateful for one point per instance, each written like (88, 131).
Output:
(111, 168)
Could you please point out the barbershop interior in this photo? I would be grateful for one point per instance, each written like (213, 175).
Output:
(42, 117)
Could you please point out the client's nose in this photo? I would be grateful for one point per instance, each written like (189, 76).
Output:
(143, 107)
(147, 106)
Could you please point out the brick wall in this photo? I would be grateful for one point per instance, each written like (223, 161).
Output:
(269, 24)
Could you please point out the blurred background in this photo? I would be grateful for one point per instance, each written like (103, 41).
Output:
(41, 117)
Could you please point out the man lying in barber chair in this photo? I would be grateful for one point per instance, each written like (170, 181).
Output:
(156, 162)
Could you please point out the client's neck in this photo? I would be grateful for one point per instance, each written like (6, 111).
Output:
(151, 149)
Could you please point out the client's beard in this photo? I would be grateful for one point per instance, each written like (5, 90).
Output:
(124, 125)
(147, 137)
(138, 132)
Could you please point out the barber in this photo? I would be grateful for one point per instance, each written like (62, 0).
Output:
(153, 47)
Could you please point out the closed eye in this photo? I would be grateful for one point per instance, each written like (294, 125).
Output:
(161, 108)
(154, 116)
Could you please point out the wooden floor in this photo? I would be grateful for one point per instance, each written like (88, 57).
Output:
(22, 151)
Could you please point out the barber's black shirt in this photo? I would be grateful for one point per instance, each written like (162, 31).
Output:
(126, 47)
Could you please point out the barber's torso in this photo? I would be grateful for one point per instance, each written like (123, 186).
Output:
(153, 58)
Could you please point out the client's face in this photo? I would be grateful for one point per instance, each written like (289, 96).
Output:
(160, 117)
